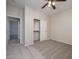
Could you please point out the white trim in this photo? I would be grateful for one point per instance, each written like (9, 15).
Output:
(61, 41)
(21, 41)
(31, 43)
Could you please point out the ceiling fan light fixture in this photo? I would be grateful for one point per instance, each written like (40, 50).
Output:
(53, 3)
(49, 3)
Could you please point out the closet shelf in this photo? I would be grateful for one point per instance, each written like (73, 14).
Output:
(36, 31)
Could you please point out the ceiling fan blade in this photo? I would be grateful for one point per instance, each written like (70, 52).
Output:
(53, 6)
(45, 5)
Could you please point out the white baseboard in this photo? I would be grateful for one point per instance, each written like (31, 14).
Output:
(27, 44)
(61, 41)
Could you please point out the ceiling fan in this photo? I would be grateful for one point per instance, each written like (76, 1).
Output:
(51, 3)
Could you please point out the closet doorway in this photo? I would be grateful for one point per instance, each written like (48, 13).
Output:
(36, 30)
(14, 30)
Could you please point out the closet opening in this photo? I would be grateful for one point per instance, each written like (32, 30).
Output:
(14, 30)
(36, 30)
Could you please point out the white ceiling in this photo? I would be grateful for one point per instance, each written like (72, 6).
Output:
(37, 4)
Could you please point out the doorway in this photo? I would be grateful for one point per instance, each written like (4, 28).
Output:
(36, 30)
(14, 30)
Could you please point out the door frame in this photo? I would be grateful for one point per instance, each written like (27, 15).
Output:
(18, 28)
(39, 28)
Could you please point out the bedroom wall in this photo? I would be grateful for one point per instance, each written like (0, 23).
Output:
(61, 26)
(30, 15)
(14, 11)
